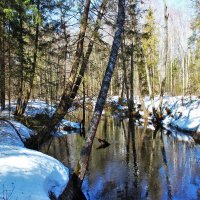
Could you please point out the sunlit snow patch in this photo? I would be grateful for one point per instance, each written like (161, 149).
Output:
(27, 174)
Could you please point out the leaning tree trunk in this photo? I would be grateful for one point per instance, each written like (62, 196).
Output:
(81, 166)
(70, 92)
(65, 101)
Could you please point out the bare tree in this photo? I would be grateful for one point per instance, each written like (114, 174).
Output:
(81, 166)
(73, 86)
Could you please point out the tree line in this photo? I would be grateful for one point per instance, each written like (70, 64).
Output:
(39, 44)
(59, 50)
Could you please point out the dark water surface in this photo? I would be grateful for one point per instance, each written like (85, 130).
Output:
(139, 164)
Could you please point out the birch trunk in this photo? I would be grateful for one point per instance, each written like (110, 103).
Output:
(81, 166)
(163, 79)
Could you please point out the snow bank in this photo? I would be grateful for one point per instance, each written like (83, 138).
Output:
(75, 125)
(8, 135)
(67, 127)
(185, 114)
(39, 107)
(27, 174)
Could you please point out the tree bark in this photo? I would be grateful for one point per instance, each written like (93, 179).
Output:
(125, 80)
(163, 79)
(73, 86)
(22, 102)
(139, 87)
(2, 65)
(66, 101)
(150, 87)
(131, 102)
(21, 59)
(81, 166)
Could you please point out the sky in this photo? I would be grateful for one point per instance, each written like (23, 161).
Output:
(178, 3)
(180, 17)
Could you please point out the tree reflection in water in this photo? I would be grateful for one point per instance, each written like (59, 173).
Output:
(139, 163)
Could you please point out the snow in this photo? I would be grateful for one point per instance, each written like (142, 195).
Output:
(23, 130)
(33, 108)
(179, 136)
(39, 107)
(185, 113)
(75, 125)
(27, 174)
(31, 174)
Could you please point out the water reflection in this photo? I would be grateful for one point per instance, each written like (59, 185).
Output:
(139, 163)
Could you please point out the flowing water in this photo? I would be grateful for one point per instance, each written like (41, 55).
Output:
(139, 164)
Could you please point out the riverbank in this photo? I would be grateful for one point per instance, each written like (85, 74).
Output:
(184, 113)
(24, 173)
(21, 168)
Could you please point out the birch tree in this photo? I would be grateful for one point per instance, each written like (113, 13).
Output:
(165, 57)
(82, 164)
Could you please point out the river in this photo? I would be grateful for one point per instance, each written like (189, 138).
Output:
(139, 164)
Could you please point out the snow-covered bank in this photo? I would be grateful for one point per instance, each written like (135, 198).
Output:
(185, 113)
(66, 126)
(27, 174)
(33, 108)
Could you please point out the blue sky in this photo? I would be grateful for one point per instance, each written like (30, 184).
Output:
(178, 3)
(181, 4)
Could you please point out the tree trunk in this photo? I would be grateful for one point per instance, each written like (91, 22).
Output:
(183, 77)
(124, 68)
(81, 166)
(163, 79)
(131, 101)
(2, 65)
(150, 87)
(22, 102)
(66, 101)
(188, 73)
(21, 59)
(71, 90)
(83, 120)
(139, 85)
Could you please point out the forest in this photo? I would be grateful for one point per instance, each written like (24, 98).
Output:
(99, 99)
